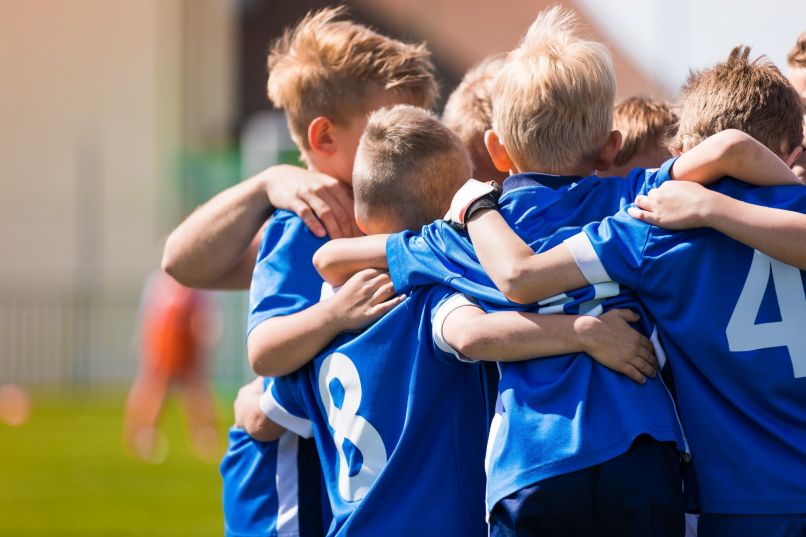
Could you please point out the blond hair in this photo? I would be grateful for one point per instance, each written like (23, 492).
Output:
(797, 56)
(553, 102)
(644, 122)
(752, 96)
(408, 166)
(328, 67)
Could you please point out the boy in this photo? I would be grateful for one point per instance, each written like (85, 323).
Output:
(469, 113)
(646, 125)
(739, 357)
(326, 91)
(396, 400)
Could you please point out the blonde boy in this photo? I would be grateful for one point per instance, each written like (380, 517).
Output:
(646, 126)
(327, 75)
(469, 113)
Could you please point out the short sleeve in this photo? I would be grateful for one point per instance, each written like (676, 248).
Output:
(284, 280)
(424, 258)
(445, 308)
(653, 178)
(281, 404)
(611, 250)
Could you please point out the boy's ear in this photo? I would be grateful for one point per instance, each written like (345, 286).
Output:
(675, 151)
(794, 156)
(498, 153)
(320, 135)
(608, 152)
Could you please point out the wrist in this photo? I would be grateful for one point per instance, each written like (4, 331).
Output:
(587, 328)
(261, 187)
(712, 209)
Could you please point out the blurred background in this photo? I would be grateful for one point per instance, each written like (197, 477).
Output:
(117, 118)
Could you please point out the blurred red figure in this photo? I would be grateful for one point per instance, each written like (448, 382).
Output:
(174, 339)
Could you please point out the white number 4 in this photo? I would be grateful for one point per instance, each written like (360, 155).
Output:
(743, 332)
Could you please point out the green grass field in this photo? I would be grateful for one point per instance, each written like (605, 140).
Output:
(65, 473)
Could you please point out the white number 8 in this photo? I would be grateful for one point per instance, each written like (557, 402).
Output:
(347, 424)
(743, 332)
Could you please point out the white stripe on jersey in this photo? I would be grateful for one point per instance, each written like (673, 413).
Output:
(287, 485)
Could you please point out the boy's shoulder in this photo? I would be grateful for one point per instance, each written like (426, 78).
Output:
(287, 230)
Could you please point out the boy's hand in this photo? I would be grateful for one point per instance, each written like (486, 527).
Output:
(366, 297)
(248, 415)
(325, 204)
(612, 342)
(675, 205)
(471, 197)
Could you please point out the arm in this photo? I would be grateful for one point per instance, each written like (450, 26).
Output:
(217, 244)
(523, 276)
(779, 233)
(736, 154)
(282, 344)
(339, 259)
(250, 417)
(515, 336)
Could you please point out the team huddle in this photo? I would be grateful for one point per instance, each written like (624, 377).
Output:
(601, 332)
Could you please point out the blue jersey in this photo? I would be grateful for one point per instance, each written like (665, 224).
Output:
(284, 280)
(733, 322)
(272, 489)
(401, 425)
(585, 413)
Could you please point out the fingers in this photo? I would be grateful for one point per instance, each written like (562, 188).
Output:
(328, 211)
(301, 209)
(633, 373)
(383, 293)
(644, 216)
(643, 363)
(378, 311)
(628, 315)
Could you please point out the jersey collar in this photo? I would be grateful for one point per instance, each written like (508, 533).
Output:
(539, 179)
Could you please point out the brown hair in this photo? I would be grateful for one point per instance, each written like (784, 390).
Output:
(752, 96)
(797, 56)
(408, 165)
(643, 122)
(328, 67)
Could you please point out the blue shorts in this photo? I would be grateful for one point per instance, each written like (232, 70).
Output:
(716, 525)
(639, 493)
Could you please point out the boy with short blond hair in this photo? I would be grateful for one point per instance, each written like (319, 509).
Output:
(469, 113)
(646, 126)
(287, 323)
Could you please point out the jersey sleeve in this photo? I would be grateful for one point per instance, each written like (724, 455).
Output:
(611, 250)
(642, 181)
(281, 403)
(424, 258)
(443, 310)
(284, 280)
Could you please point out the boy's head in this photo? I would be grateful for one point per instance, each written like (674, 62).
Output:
(646, 126)
(797, 66)
(553, 102)
(328, 75)
(752, 96)
(407, 168)
(469, 113)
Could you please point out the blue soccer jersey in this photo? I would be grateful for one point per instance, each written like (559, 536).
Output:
(284, 280)
(564, 413)
(401, 425)
(733, 322)
(273, 489)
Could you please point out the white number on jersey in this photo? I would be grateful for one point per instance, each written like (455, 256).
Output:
(743, 332)
(347, 424)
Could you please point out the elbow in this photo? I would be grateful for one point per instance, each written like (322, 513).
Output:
(733, 141)
(261, 363)
(323, 262)
(170, 259)
(471, 345)
(513, 285)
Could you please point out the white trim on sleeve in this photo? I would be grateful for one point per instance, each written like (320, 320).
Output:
(287, 482)
(450, 305)
(586, 258)
(282, 417)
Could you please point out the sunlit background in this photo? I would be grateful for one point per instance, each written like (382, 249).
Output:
(117, 118)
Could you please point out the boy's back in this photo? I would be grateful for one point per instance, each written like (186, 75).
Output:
(586, 413)
(388, 404)
(732, 321)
